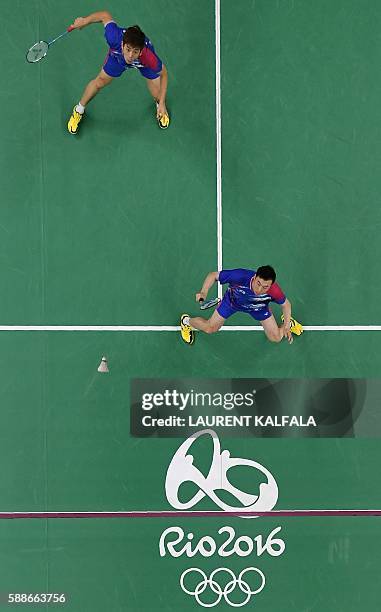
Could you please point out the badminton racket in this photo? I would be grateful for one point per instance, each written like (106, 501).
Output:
(38, 51)
(209, 303)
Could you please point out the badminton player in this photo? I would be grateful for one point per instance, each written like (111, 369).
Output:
(129, 48)
(249, 291)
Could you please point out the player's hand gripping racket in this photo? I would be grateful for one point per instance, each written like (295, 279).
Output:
(209, 303)
(40, 49)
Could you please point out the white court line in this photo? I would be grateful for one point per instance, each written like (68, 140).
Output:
(148, 328)
(171, 328)
(175, 328)
(218, 141)
(219, 211)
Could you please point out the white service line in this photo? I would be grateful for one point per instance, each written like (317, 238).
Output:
(218, 141)
(170, 328)
(348, 328)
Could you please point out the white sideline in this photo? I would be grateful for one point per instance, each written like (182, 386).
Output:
(170, 328)
(218, 141)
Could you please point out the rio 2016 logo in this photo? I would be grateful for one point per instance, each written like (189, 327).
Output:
(174, 543)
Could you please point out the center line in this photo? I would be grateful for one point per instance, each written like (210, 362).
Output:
(218, 141)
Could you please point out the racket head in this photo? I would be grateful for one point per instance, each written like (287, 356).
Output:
(209, 303)
(37, 52)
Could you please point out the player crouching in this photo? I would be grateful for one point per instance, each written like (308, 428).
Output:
(250, 291)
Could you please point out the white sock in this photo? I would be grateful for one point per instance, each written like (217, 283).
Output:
(186, 320)
(80, 109)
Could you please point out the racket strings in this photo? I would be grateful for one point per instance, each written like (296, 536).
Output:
(209, 303)
(37, 52)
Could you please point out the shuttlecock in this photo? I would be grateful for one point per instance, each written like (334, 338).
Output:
(103, 366)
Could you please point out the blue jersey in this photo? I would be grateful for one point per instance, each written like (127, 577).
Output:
(242, 297)
(147, 60)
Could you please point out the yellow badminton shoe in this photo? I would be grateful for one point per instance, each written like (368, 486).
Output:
(74, 121)
(187, 332)
(295, 327)
(162, 120)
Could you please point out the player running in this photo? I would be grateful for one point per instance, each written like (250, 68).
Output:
(128, 48)
(250, 291)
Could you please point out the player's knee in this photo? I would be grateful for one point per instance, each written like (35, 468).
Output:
(212, 329)
(100, 82)
(274, 338)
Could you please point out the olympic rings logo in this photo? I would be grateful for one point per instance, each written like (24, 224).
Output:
(222, 591)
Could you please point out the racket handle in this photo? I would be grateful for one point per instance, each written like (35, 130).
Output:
(200, 300)
(70, 28)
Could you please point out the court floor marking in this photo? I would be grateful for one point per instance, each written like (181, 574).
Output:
(139, 328)
(171, 328)
(218, 140)
(190, 514)
(175, 328)
(219, 214)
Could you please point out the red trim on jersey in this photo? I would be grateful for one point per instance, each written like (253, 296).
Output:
(149, 59)
(276, 293)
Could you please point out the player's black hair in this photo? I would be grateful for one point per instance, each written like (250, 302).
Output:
(266, 273)
(134, 37)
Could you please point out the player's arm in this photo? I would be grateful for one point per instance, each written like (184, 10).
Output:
(210, 279)
(286, 309)
(101, 16)
(163, 85)
(161, 108)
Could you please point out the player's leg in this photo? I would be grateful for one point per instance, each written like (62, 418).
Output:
(154, 87)
(273, 332)
(95, 86)
(90, 92)
(209, 326)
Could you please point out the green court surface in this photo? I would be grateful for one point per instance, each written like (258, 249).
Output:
(118, 226)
